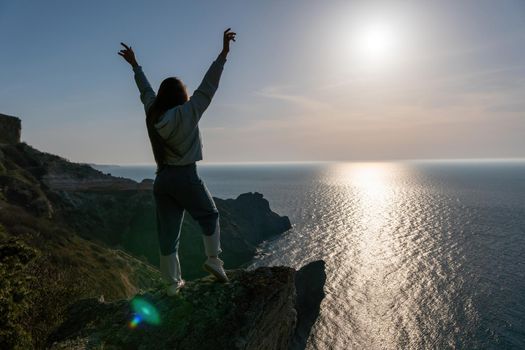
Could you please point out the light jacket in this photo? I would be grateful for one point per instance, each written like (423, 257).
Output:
(179, 126)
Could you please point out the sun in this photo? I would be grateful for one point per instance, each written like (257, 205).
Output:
(377, 42)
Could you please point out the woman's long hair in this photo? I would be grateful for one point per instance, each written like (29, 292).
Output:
(172, 92)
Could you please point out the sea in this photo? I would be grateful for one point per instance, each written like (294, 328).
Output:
(419, 254)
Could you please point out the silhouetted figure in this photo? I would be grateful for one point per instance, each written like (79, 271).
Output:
(172, 122)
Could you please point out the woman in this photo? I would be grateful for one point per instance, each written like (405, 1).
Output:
(172, 122)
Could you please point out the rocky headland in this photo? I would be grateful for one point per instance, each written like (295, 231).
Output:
(72, 236)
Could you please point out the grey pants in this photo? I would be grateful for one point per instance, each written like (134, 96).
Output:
(178, 189)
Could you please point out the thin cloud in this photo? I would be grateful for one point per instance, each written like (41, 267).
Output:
(307, 102)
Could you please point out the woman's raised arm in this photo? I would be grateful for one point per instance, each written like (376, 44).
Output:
(147, 95)
(201, 98)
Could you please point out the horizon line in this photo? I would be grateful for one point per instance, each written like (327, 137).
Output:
(283, 162)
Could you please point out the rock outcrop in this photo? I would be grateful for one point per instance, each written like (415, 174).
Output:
(309, 284)
(256, 310)
(10, 129)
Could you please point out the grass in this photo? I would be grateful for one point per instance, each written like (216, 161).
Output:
(45, 267)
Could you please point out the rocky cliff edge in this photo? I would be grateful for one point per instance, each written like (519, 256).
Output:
(258, 309)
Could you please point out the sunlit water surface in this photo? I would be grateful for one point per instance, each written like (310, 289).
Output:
(426, 255)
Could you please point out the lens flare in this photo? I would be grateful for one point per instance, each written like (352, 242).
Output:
(144, 311)
(134, 322)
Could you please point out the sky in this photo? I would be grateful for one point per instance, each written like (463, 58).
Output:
(305, 80)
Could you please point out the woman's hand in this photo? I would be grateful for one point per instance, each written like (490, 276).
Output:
(227, 37)
(128, 55)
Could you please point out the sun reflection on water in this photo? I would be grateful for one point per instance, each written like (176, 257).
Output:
(372, 246)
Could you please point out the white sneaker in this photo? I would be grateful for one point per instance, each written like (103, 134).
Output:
(175, 287)
(214, 266)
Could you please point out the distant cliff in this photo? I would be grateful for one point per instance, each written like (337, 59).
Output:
(120, 212)
(256, 310)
